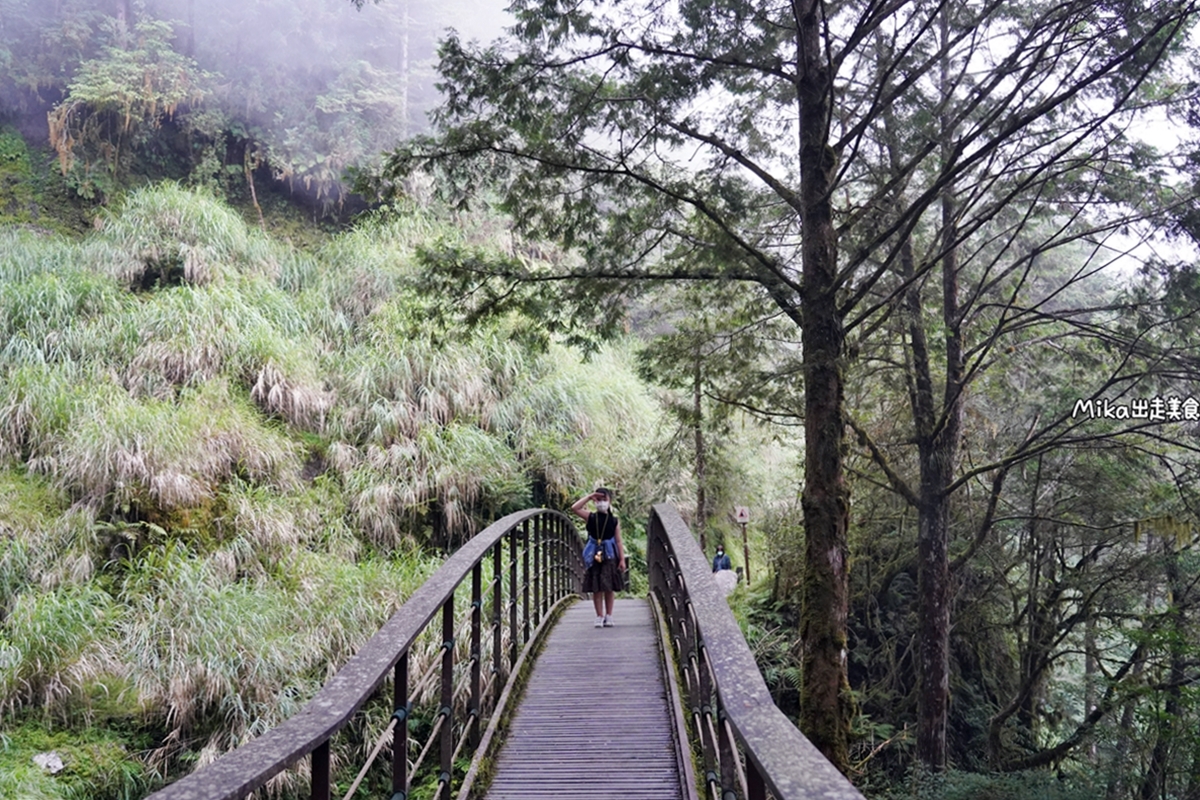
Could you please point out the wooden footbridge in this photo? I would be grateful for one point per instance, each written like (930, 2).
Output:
(537, 703)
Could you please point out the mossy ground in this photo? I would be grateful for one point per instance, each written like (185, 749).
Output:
(96, 764)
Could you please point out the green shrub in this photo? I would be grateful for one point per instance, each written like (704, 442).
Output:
(13, 153)
(221, 660)
(955, 785)
(28, 509)
(24, 254)
(16, 173)
(222, 472)
(37, 405)
(46, 297)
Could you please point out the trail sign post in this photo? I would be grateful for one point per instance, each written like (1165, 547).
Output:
(742, 515)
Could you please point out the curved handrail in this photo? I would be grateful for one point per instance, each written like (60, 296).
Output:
(718, 666)
(249, 767)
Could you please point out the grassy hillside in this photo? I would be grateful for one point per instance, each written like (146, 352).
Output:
(224, 461)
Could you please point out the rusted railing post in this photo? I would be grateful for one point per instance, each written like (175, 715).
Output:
(447, 709)
(320, 771)
(712, 756)
(525, 582)
(568, 574)
(757, 789)
(537, 567)
(513, 643)
(400, 732)
(728, 756)
(544, 544)
(474, 710)
(498, 676)
(560, 565)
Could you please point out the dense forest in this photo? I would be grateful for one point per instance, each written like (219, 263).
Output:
(294, 299)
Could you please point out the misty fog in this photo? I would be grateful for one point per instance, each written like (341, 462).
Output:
(303, 89)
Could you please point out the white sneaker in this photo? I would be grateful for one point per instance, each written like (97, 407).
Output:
(608, 621)
(599, 622)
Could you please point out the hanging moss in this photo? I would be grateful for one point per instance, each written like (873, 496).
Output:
(29, 195)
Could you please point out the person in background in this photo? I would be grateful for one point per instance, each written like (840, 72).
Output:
(720, 560)
(604, 578)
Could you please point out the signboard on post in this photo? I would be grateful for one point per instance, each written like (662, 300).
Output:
(742, 515)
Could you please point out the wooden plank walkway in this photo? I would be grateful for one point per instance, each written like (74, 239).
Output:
(563, 743)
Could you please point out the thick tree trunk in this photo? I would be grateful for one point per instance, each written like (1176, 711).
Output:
(824, 700)
(1154, 783)
(1193, 782)
(1040, 608)
(1116, 784)
(1121, 762)
(938, 444)
(933, 589)
(937, 438)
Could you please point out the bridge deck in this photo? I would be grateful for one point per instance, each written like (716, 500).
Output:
(565, 743)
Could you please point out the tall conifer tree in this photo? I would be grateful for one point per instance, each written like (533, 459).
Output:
(747, 141)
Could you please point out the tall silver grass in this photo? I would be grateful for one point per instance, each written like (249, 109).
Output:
(251, 459)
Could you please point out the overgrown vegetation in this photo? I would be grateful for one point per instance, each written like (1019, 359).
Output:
(226, 462)
(32, 193)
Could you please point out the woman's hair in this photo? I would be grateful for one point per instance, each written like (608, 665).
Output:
(606, 492)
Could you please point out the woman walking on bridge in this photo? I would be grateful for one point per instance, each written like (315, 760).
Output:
(604, 554)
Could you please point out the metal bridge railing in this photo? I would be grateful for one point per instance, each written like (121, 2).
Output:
(748, 748)
(532, 560)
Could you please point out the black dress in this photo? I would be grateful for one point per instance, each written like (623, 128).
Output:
(604, 577)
